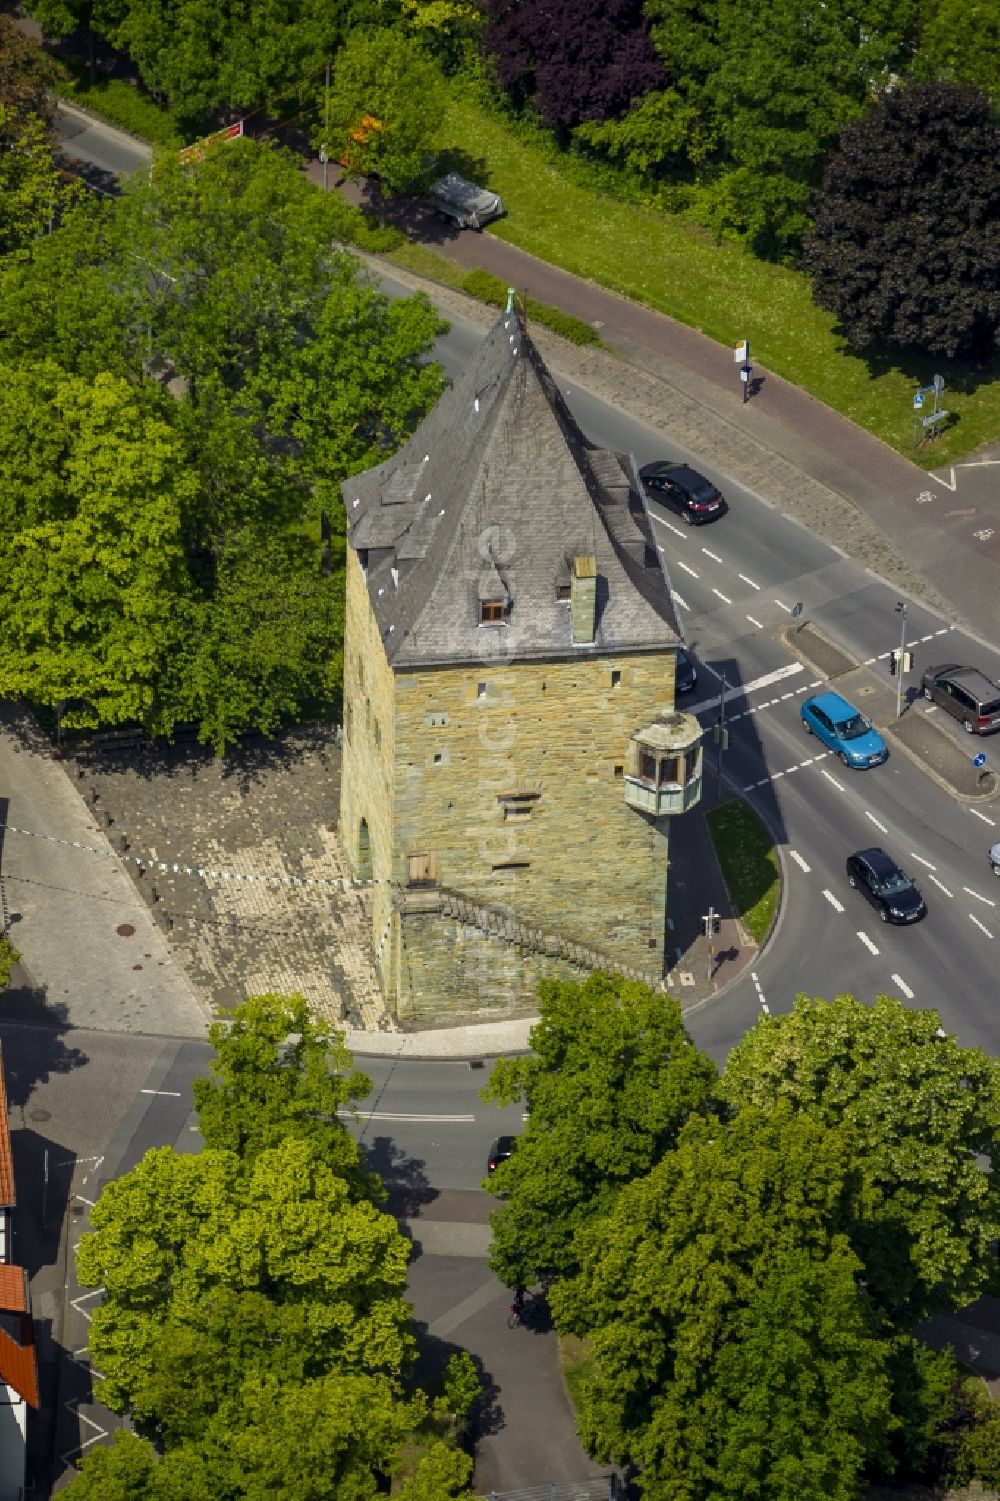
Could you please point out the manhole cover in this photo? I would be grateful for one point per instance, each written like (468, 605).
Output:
(686, 977)
(864, 692)
(40, 1115)
(125, 930)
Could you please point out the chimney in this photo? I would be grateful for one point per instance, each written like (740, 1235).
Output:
(583, 600)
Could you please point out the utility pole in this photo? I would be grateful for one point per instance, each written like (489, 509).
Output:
(901, 612)
(721, 734)
(710, 925)
(325, 155)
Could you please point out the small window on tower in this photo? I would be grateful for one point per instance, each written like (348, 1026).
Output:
(563, 591)
(492, 611)
(619, 771)
(481, 691)
(616, 678)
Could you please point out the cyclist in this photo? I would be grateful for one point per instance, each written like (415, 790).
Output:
(517, 1307)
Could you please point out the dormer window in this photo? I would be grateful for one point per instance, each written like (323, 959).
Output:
(491, 611)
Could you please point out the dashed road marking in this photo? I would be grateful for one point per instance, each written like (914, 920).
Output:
(902, 985)
(940, 886)
(799, 861)
(872, 949)
(682, 602)
(787, 608)
(713, 555)
(883, 656)
(830, 778)
(724, 597)
(981, 926)
(755, 622)
(760, 994)
(173, 1094)
(985, 899)
(837, 906)
(976, 813)
(675, 529)
(686, 568)
(880, 826)
(749, 582)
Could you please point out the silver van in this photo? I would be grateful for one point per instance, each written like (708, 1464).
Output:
(969, 694)
(467, 205)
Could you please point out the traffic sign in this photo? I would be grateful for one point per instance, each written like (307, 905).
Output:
(979, 760)
(918, 401)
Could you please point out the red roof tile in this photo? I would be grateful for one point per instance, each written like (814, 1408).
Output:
(13, 1289)
(19, 1363)
(7, 1197)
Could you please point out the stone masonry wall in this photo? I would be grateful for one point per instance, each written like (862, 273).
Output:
(510, 776)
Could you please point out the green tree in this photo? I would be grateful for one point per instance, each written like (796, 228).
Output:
(384, 107)
(280, 1072)
(32, 191)
(27, 74)
(93, 495)
(8, 958)
(612, 1078)
(921, 1109)
(180, 1232)
(960, 43)
(736, 1355)
(904, 245)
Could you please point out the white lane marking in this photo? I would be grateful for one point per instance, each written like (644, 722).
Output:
(837, 906)
(739, 690)
(839, 785)
(883, 655)
(173, 1094)
(977, 814)
(940, 886)
(682, 602)
(868, 662)
(713, 555)
(675, 529)
(944, 630)
(915, 856)
(686, 568)
(868, 943)
(760, 994)
(981, 926)
(930, 708)
(984, 899)
(880, 826)
(776, 774)
(787, 608)
(799, 861)
(743, 579)
(755, 622)
(724, 597)
(388, 1115)
(902, 985)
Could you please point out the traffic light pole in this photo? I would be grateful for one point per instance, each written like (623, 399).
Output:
(901, 607)
(710, 926)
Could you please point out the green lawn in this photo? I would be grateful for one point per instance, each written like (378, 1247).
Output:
(749, 865)
(665, 261)
(578, 1365)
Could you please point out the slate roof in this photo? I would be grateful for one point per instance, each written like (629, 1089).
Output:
(500, 482)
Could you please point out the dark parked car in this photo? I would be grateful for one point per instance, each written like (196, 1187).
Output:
(683, 489)
(687, 676)
(890, 891)
(501, 1149)
(970, 695)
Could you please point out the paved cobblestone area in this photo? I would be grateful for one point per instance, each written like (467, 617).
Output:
(267, 810)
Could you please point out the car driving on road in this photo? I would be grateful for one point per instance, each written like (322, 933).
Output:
(501, 1149)
(687, 492)
(967, 693)
(889, 889)
(844, 729)
(686, 675)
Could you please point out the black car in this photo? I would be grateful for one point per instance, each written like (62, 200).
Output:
(877, 876)
(501, 1149)
(686, 676)
(683, 489)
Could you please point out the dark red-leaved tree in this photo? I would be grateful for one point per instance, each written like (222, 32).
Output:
(574, 60)
(905, 247)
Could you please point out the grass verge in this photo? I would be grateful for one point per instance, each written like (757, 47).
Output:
(668, 263)
(578, 1365)
(749, 865)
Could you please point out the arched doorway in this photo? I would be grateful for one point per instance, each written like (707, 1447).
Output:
(364, 872)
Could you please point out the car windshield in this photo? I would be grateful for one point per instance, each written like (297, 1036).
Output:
(889, 885)
(853, 728)
(699, 489)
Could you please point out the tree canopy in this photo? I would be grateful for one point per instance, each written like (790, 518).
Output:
(252, 1318)
(904, 246)
(611, 1079)
(207, 310)
(921, 1110)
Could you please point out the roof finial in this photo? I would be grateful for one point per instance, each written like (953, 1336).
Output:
(511, 295)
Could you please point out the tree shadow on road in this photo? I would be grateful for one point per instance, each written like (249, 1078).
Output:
(405, 1181)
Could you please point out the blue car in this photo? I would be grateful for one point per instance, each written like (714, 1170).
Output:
(844, 729)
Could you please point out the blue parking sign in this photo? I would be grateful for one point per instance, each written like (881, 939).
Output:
(979, 760)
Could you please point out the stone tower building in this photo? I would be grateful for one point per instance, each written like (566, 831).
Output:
(511, 749)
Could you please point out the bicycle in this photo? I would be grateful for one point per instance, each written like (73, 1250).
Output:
(518, 1314)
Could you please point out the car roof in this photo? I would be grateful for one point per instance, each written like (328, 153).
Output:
(833, 704)
(877, 860)
(503, 1144)
(970, 677)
